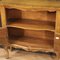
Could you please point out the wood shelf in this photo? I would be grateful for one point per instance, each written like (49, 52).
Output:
(32, 44)
(31, 26)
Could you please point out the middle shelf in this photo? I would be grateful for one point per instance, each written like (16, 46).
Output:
(32, 25)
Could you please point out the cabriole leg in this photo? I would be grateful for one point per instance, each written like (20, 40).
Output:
(7, 52)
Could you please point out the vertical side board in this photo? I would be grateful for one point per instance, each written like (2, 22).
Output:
(3, 16)
(57, 35)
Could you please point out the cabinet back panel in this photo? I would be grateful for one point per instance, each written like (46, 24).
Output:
(39, 34)
(13, 13)
(51, 16)
(15, 32)
(36, 22)
(34, 15)
(39, 15)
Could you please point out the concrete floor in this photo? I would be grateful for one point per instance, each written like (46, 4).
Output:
(23, 55)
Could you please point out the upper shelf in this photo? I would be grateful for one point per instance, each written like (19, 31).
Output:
(31, 25)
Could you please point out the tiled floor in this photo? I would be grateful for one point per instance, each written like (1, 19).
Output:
(23, 55)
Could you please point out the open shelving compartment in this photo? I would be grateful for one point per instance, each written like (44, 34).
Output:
(31, 30)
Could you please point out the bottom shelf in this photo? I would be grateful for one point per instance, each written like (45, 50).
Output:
(32, 44)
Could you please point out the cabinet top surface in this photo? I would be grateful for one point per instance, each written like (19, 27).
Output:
(50, 4)
(46, 3)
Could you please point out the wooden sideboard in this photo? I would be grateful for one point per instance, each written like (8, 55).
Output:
(30, 28)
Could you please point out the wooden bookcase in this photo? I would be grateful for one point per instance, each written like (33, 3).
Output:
(32, 30)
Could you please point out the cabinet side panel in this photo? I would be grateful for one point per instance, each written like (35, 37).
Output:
(57, 33)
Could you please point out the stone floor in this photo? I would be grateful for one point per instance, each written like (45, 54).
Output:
(23, 55)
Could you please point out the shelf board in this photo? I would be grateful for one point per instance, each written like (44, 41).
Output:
(25, 25)
(32, 44)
